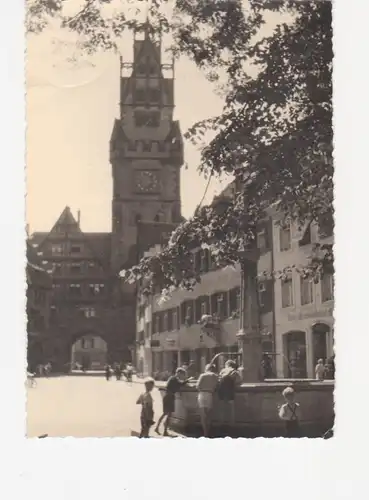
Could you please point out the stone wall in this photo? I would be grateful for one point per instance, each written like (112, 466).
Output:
(257, 409)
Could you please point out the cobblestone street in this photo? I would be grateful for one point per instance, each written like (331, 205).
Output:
(84, 407)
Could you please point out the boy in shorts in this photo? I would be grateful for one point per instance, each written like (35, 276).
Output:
(147, 408)
(290, 413)
(174, 384)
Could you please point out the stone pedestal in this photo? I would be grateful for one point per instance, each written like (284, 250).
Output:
(251, 350)
(249, 337)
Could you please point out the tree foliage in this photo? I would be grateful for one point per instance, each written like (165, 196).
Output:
(274, 134)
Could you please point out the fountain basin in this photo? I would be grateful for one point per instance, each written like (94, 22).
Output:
(256, 409)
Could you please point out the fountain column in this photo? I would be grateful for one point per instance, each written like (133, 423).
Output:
(249, 337)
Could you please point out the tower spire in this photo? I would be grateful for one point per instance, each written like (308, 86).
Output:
(147, 25)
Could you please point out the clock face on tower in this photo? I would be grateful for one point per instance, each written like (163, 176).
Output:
(147, 181)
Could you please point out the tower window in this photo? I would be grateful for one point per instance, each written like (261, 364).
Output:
(139, 95)
(147, 119)
(146, 146)
(154, 95)
(141, 68)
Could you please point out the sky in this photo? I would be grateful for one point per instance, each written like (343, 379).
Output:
(70, 114)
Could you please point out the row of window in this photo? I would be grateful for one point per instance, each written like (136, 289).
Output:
(73, 268)
(83, 312)
(285, 237)
(221, 305)
(147, 67)
(147, 146)
(147, 118)
(147, 95)
(77, 289)
(307, 289)
(64, 249)
(204, 263)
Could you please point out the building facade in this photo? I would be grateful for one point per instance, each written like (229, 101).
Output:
(146, 154)
(39, 291)
(193, 326)
(294, 314)
(304, 307)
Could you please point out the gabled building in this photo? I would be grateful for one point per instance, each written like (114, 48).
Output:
(92, 313)
(38, 307)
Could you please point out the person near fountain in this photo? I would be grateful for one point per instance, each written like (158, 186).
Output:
(229, 378)
(266, 365)
(206, 386)
(191, 369)
(320, 370)
(290, 413)
(174, 385)
(147, 408)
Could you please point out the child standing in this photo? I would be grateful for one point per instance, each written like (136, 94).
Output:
(174, 385)
(147, 408)
(290, 413)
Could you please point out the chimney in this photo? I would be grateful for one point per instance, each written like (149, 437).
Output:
(79, 218)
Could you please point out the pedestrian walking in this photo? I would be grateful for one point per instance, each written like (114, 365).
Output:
(147, 408)
(206, 386)
(174, 385)
(291, 414)
(129, 372)
(107, 372)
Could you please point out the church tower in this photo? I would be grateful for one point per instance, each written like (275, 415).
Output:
(146, 149)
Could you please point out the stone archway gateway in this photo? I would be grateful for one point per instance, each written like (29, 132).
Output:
(89, 351)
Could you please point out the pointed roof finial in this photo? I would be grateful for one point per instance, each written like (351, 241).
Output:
(147, 20)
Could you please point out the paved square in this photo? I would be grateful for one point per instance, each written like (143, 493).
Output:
(85, 407)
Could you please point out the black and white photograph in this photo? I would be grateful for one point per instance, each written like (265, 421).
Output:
(179, 219)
